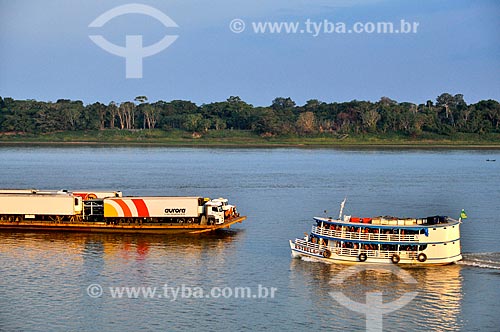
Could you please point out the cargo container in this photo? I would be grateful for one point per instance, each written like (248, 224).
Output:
(144, 207)
(18, 191)
(39, 206)
(165, 209)
(85, 194)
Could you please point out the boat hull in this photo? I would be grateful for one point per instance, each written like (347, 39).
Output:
(102, 227)
(317, 254)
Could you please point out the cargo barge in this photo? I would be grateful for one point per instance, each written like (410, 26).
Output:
(110, 211)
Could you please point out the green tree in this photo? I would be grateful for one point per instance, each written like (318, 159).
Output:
(196, 122)
(281, 103)
(266, 122)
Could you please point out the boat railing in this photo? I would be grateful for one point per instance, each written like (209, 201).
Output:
(360, 236)
(318, 249)
(374, 253)
(307, 246)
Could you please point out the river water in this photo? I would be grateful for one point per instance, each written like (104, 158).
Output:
(52, 281)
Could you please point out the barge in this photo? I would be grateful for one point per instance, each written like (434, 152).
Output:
(110, 211)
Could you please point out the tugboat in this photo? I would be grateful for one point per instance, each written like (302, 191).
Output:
(421, 241)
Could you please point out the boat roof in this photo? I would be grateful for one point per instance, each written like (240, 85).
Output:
(331, 221)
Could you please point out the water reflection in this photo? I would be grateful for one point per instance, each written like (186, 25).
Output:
(55, 269)
(94, 255)
(435, 308)
(125, 246)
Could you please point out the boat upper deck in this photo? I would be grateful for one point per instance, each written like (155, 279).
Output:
(447, 230)
(390, 222)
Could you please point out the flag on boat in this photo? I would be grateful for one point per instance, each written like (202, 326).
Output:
(463, 215)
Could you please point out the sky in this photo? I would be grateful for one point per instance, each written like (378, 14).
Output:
(46, 52)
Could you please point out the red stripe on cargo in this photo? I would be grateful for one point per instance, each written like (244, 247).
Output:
(142, 209)
(125, 208)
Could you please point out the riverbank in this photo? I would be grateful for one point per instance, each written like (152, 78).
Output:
(240, 138)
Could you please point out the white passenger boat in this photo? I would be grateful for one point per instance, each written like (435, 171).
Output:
(430, 240)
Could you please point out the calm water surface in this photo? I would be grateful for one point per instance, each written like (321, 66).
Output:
(44, 276)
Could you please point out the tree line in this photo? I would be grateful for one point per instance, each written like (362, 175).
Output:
(447, 115)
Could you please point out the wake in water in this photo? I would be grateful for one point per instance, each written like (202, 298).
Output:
(311, 259)
(487, 260)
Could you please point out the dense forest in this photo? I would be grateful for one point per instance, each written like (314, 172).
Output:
(448, 115)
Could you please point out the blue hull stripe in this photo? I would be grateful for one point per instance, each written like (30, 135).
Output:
(381, 242)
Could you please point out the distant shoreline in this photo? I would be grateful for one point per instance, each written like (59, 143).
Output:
(256, 145)
(248, 139)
